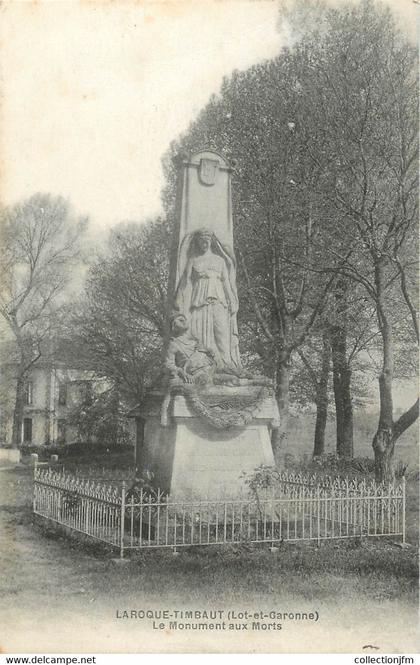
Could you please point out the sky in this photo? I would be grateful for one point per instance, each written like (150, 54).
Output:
(94, 92)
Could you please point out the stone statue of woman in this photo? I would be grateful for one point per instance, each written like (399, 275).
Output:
(206, 295)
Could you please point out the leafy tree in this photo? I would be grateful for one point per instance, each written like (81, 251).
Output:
(100, 417)
(341, 344)
(253, 121)
(118, 328)
(361, 80)
(41, 243)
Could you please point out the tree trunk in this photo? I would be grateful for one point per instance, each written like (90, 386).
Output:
(348, 446)
(383, 446)
(343, 408)
(342, 376)
(383, 441)
(388, 432)
(320, 425)
(322, 397)
(18, 411)
(279, 435)
(115, 421)
(140, 457)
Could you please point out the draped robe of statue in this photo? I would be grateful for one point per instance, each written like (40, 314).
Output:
(206, 295)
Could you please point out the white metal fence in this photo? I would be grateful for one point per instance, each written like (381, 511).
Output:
(295, 508)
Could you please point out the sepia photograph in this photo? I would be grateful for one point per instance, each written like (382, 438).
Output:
(208, 327)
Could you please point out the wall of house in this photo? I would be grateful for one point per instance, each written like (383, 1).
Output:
(39, 378)
(46, 412)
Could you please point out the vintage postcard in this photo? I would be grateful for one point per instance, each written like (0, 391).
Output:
(208, 327)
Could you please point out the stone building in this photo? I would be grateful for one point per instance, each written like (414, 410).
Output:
(52, 393)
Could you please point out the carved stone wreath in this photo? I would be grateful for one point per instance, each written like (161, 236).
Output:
(224, 412)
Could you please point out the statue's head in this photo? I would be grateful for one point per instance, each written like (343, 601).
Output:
(202, 240)
(178, 323)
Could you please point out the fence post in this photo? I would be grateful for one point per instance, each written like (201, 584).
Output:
(34, 495)
(318, 496)
(122, 520)
(87, 504)
(403, 509)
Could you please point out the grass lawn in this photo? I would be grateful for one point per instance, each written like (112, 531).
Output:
(61, 594)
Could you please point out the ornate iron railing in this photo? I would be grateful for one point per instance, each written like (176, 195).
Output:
(295, 508)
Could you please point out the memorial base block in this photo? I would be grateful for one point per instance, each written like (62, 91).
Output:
(190, 458)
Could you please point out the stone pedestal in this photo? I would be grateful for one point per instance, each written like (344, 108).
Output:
(191, 458)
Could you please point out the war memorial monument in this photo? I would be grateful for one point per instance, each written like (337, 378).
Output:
(210, 421)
